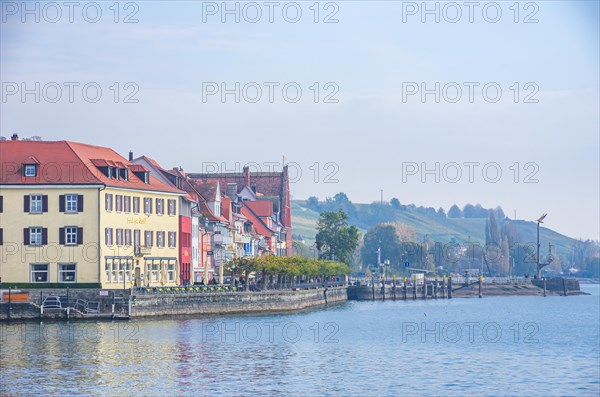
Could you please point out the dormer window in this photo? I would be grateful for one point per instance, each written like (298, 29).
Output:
(109, 172)
(30, 169)
(124, 173)
(146, 177)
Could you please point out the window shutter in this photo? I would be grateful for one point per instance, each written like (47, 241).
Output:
(26, 236)
(80, 233)
(61, 235)
(1, 204)
(44, 203)
(26, 203)
(44, 235)
(1, 239)
(61, 203)
(80, 203)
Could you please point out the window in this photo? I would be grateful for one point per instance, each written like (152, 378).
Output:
(171, 271)
(35, 236)
(125, 173)
(127, 204)
(35, 204)
(172, 237)
(127, 237)
(1, 204)
(67, 273)
(136, 238)
(39, 273)
(109, 172)
(160, 239)
(30, 170)
(172, 207)
(107, 270)
(119, 203)
(154, 271)
(108, 236)
(71, 235)
(119, 236)
(160, 206)
(70, 203)
(136, 205)
(148, 238)
(147, 205)
(108, 205)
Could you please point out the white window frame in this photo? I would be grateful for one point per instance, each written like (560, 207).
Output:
(38, 199)
(62, 272)
(35, 231)
(28, 168)
(154, 270)
(33, 272)
(148, 237)
(71, 203)
(108, 233)
(160, 206)
(171, 272)
(160, 239)
(71, 235)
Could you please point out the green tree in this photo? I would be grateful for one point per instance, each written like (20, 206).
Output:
(313, 203)
(336, 240)
(454, 212)
(395, 203)
(384, 236)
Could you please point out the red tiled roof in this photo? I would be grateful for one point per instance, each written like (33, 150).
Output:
(261, 207)
(65, 162)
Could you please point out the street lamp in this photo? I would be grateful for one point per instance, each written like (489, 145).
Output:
(540, 220)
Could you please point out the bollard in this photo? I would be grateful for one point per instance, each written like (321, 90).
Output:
(41, 304)
(449, 287)
(480, 286)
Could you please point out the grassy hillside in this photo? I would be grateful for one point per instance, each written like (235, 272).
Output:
(304, 222)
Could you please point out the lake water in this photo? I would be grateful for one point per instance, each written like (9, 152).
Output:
(462, 347)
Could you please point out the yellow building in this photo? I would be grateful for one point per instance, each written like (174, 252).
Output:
(78, 214)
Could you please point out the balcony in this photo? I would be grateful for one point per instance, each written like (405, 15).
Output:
(218, 239)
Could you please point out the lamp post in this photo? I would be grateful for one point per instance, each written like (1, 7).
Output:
(539, 220)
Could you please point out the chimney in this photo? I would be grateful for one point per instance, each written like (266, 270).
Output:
(232, 191)
(14, 137)
(247, 175)
(130, 155)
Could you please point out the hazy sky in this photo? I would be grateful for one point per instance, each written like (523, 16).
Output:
(370, 129)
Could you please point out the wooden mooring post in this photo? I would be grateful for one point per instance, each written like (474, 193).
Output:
(544, 287)
(443, 286)
(435, 287)
(424, 290)
(383, 288)
(404, 287)
(565, 289)
(394, 287)
(9, 304)
(449, 287)
(480, 286)
(415, 286)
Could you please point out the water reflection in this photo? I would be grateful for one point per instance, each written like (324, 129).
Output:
(360, 348)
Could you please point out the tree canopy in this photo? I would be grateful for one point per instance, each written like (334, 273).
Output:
(335, 239)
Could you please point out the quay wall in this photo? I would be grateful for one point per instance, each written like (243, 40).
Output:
(169, 304)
